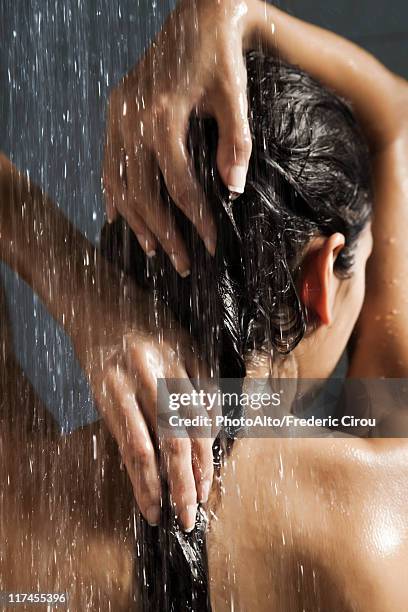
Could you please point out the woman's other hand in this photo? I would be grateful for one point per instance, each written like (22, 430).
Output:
(120, 343)
(123, 353)
(196, 62)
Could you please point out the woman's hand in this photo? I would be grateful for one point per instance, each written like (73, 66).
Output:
(118, 340)
(196, 62)
(124, 353)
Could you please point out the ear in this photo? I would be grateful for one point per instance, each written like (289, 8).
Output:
(319, 283)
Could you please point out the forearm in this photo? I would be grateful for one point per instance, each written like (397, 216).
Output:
(61, 266)
(373, 90)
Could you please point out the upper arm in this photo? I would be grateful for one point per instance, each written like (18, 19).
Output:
(339, 64)
(382, 331)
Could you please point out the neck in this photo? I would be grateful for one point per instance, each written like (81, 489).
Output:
(309, 360)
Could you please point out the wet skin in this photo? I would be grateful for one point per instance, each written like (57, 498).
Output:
(312, 525)
(325, 531)
(74, 504)
(74, 510)
(331, 533)
(66, 502)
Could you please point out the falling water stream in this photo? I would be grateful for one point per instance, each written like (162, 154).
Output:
(69, 525)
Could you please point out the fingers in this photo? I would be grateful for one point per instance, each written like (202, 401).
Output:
(144, 202)
(127, 424)
(188, 457)
(187, 473)
(131, 183)
(115, 188)
(231, 111)
(177, 461)
(204, 379)
(203, 467)
(144, 236)
(175, 164)
(131, 186)
(197, 367)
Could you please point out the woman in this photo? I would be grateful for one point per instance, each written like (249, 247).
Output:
(320, 458)
(211, 76)
(285, 288)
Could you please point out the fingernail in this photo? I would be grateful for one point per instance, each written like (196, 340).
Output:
(237, 179)
(210, 245)
(188, 518)
(204, 491)
(144, 243)
(153, 515)
(176, 261)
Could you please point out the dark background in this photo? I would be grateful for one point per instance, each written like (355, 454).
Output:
(58, 60)
(379, 26)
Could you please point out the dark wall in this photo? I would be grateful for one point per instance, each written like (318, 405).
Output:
(58, 59)
(379, 26)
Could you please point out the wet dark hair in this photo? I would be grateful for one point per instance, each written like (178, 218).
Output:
(309, 175)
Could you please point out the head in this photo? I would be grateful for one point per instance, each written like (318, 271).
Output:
(288, 276)
(303, 221)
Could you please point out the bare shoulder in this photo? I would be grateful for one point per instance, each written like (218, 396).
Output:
(289, 507)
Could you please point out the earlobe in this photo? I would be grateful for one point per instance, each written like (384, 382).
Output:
(319, 283)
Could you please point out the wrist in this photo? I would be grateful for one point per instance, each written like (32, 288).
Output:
(250, 12)
(259, 24)
(241, 15)
(104, 307)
